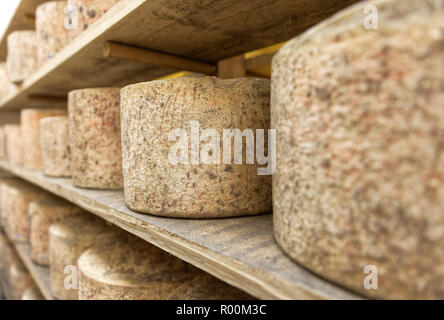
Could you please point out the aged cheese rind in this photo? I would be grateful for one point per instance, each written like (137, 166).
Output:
(6, 86)
(42, 214)
(152, 110)
(55, 149)
(68, 239)
(95, 138)
(88, 12)
(30, 126)
(52, 36)
(207, 287)
(32, 293)
(13, 144)
(359, 177)
(22, 55)
(130, 269)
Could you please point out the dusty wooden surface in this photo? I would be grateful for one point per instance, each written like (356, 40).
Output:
(239, 251)
(170, 27)
(23, 19)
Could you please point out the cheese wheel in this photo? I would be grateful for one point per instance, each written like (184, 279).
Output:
(4, 181)
(19, 279)
(16, 197)
(2, 143)
(22, 55)
(32, 293)
(13, 144)
(153, 113)
(68, 239)
(95, 139)
(42, 214)
(207, 287)
(358, 189)
(88, 12)
(52, 36)
(54, 142)
(30, 126)
(130, 269)
(6, 86)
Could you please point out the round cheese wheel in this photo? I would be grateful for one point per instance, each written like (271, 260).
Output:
(359, 184)
(68, 239)
(16, 197)
(54, 142)
(19, 279)
(87, 12)
(95, 139)
(30, 126)
(32, 293)
(207, 287)
(6, 86)
(13, 144)
(130, 269)
(21, 61)
(42, 214)
(52, 36)
(203, 184)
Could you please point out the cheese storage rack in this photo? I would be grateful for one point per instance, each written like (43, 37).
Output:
(119, 50)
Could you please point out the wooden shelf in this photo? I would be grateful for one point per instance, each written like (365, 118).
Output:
(206, 32)
(4, 287)
(240, 251)
(22, 19)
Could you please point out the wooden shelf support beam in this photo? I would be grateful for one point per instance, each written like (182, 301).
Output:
(154, 58)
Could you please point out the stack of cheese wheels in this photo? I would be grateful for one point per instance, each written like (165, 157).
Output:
(16, 197)
(19, 278)
(52, 36)
(163, 120)
(42, 214)
(22, 55)
(95, 139)
(359, 190)
(6, 86)
(13, 144)
(68, 239)
(103, 271)
(32, 293)
(55, 149)
(207, 287)
(30, 126)
(88, 12)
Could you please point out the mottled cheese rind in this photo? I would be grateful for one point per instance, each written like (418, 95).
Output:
(153, 111)
(21, 61)
(95, 138)
(359, 180)
(13, 144)
(129, 268)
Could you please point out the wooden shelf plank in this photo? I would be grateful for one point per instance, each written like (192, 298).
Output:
(208, 32)
(4, 286)
(22, 19)
(240, 251)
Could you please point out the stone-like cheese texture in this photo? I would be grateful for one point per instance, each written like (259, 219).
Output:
(360, 161)
(4, 182)
(42, 214)
(153, 184)
(55, 149)
(22, 55)
(130, 269)
(30, 126)
(68, 239)
(52, 36)
(19, 279)
(88, 12)
(207, 287)
(6, 86)
(95, 138)
(13, 144)
(32, 293)
(16, 196)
